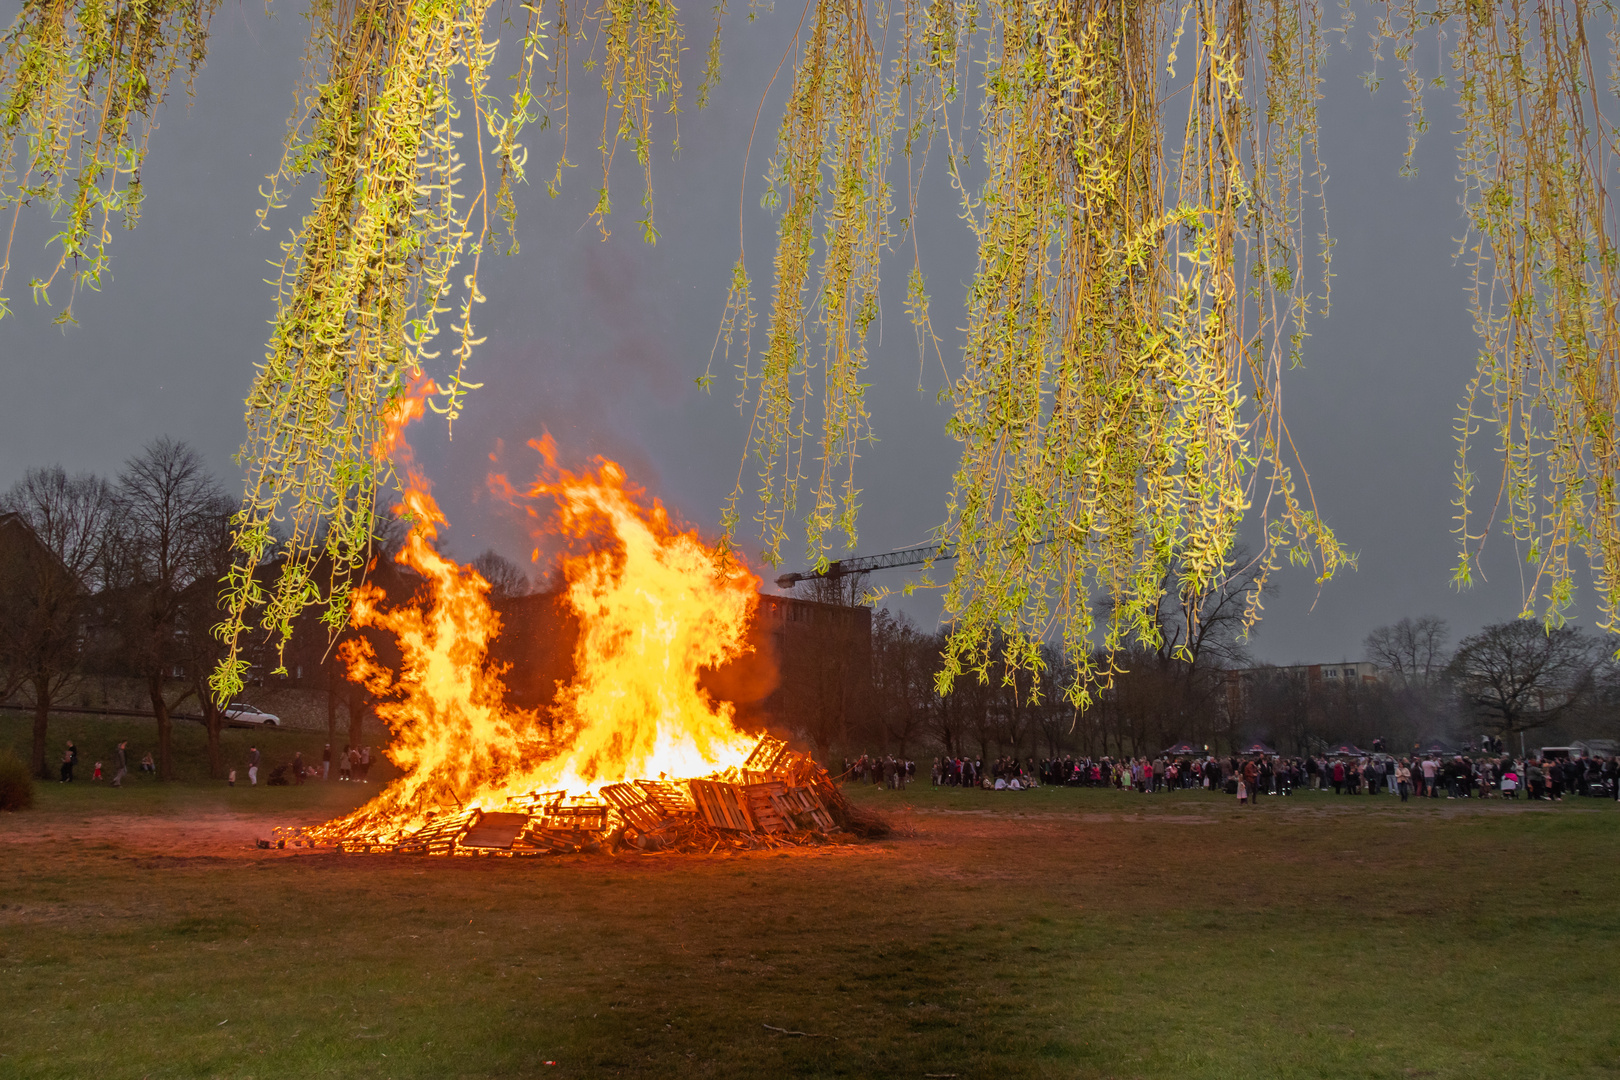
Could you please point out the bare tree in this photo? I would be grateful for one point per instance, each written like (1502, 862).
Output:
(506, 579)
(1170, 688)
(197, 649)
(1412, 651)
(58, 527)
(904, 661)
(170, 506)
(1519, 675)
(1278, 708)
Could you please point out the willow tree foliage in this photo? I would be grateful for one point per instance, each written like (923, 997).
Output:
(1142, 183)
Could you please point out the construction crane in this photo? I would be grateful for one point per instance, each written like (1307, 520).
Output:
(861, 564)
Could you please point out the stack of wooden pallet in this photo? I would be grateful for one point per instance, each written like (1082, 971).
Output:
(776, 797)
(567, 826)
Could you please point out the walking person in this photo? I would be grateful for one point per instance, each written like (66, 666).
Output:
(123, 765)
(70, 758)
(253, 766)
(326, 762)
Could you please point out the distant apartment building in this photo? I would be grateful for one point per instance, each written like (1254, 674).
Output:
(1316, 677)
(1343, 673)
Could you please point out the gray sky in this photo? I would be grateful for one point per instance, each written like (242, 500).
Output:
(600, 342)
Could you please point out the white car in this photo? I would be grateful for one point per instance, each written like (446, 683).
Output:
(244, 713)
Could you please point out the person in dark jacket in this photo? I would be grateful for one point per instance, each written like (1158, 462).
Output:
(70, 758)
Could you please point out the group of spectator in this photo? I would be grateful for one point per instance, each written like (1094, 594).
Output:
(353, 763)
(890, 771)
(70, 762)
(1417, 776)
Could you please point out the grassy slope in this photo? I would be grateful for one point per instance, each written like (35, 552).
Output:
(1052, 933)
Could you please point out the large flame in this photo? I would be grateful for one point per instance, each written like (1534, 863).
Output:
(655, 605)
(655, 608)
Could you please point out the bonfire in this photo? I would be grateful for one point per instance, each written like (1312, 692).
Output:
(632, 756)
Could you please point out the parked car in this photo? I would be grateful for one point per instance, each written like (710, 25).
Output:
(243, 713)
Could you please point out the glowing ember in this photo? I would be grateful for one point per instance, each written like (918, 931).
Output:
(655, 606)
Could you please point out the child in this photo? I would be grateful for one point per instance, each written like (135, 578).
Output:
(1243, 792)
(96, 776)
(231, 779)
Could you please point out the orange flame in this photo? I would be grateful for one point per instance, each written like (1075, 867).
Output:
(656, 606)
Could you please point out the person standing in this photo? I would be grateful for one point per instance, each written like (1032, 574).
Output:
(70, 758)
(253, 766)
(123, 764)
(1403, 780)
(365, 764)
(298, 766)
(326, 762)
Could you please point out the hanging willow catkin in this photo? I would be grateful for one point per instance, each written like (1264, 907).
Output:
(1140, 180)
(401, 132)
(1126, 325)
(1538, 152)
(80, 82)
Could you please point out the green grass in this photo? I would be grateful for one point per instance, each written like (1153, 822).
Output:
(1054, 933)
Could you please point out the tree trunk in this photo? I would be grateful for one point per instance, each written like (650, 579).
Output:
(357, 718)
(160, 709)
(331, 709)
(42, 717)
(211, 718)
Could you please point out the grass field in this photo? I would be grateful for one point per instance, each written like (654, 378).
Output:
(97, 739)
(1054, 933)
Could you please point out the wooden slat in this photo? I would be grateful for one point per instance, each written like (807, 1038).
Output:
(586, 816)
(672, 800)
(722, 805)
(632, 804)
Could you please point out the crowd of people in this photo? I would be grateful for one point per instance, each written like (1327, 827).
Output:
(1432, 776)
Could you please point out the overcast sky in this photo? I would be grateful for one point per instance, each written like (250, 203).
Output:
(600, 342)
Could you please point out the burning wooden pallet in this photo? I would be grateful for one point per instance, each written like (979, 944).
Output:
(438, 837)
(777, 796)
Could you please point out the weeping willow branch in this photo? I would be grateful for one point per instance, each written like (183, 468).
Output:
(1141, 182)
(1538, 152)
(415, 161)
(1128, 319)
(80, 81)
